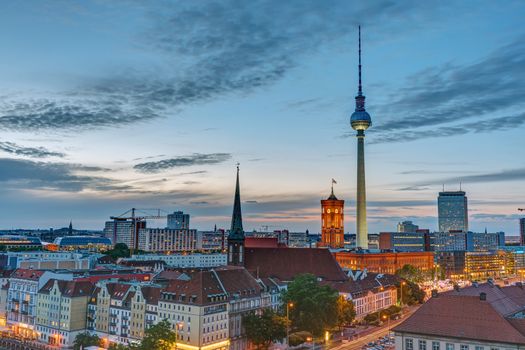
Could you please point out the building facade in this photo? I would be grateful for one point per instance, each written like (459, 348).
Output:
(187, 260)
(452, 211)
(164, 240)
(179, 221)
(522, 231)
(407, 226)
(332, 222)
(385, 262)
(403, 241)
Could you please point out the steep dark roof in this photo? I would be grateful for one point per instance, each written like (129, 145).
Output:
(464, 317)
(201, 288)
(69, 289)
(286, 263)
(27, 274)
(237, 280)
(151, 294)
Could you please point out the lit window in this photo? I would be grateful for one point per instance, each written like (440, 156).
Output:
(328, 211)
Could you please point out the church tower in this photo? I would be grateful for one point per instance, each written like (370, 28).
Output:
(236, 236)
(332, 221)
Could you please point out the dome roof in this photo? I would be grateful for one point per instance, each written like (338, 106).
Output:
(360, 120)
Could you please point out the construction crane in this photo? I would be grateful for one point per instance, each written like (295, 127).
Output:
(138, 222)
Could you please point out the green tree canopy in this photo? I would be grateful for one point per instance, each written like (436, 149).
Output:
(411, 274)
(158, 337)
(85, 339)
(345, 312)
(265, 328)
(120, 250)
(314, 306)
(412, 293)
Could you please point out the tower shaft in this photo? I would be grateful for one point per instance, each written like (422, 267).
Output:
(362, 228)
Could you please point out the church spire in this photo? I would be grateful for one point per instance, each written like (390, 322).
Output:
(236, 228)
(236, 236)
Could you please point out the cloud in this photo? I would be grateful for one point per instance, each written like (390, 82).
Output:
(194, 159)
(204, 50)
(413, 188)
(501, 176)
(480, 126)
(26, 174)
(33, 152)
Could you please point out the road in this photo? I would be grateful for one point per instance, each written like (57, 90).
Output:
(379, 332)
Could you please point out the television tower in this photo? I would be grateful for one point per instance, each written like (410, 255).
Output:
(360, 121)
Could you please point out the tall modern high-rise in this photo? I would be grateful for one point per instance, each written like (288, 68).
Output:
(522, 231)
(179, 221)
(361, 121)
(452, 211)
(236, 235)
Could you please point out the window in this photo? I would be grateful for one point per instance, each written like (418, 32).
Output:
(422, 345)
(409, 344)
(435, 345)
(463, 347)
(479, 347)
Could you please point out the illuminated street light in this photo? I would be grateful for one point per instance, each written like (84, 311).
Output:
(288, 306)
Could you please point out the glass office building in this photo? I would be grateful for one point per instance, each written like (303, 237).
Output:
(452, 211)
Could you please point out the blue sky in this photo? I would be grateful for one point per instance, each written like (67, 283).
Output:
(106, 106)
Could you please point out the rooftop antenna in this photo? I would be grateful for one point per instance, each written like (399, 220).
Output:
(360, 89)
(443, 187)
(460, 185)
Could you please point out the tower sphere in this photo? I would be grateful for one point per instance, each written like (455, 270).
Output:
(360, 120)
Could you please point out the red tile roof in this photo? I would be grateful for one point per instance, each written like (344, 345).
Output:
(464, 317)
(69, 288)
(261, 242)
(237, 280)
(151, 294)
(27, 274)
(199, 289)
(286, 263)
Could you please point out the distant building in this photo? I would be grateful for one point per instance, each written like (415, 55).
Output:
(484, 241)
(168, 240)
(407, 226)
(211, 240)
(187, 260)
(46, 260)
(332, 222)
(475, 265)
(15, 241)
(403, 241)
(179, 221)
(373, 241)
(384, 262)
(473, 318)
(522, 231)
(125, 231)
(448, 241)
(452, 211)
(90, 243)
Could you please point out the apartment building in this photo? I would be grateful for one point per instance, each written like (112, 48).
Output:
(61, 311)
(168, 240)
(196, 260)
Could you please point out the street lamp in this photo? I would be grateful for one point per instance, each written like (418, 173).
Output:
(386, 318)
(401, 296)
(178, 326)
(288, 306)
(311, 339)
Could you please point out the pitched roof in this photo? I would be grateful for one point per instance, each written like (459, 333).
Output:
(151, 294)
(168, 275)
(506, 300)
(118, 290)
(69, 288)
(261, 242)
(27, 274)
(372, 281)
(237, 280)
(286, 263)
(200, 288)
(464, 317)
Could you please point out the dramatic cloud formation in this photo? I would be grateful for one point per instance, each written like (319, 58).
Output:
(26, 174)
(194, 159)
(504, 175)
(452, 93)
(34, 152)
(218, 47)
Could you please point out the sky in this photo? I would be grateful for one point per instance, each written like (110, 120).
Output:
(109, 105)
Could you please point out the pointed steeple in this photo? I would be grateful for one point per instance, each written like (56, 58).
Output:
(70, 228)
(236, 228)
(236, 236)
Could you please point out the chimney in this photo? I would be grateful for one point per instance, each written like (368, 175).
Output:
(483, 296)
(435, 293)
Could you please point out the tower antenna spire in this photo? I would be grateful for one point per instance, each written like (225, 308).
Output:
(360, 88)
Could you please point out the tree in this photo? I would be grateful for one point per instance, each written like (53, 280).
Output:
(265, 328)
(411, 273)
(345, 312)
(314, 306)
(85, 339)
(412, 294)
(158, 337)
(120, 250)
